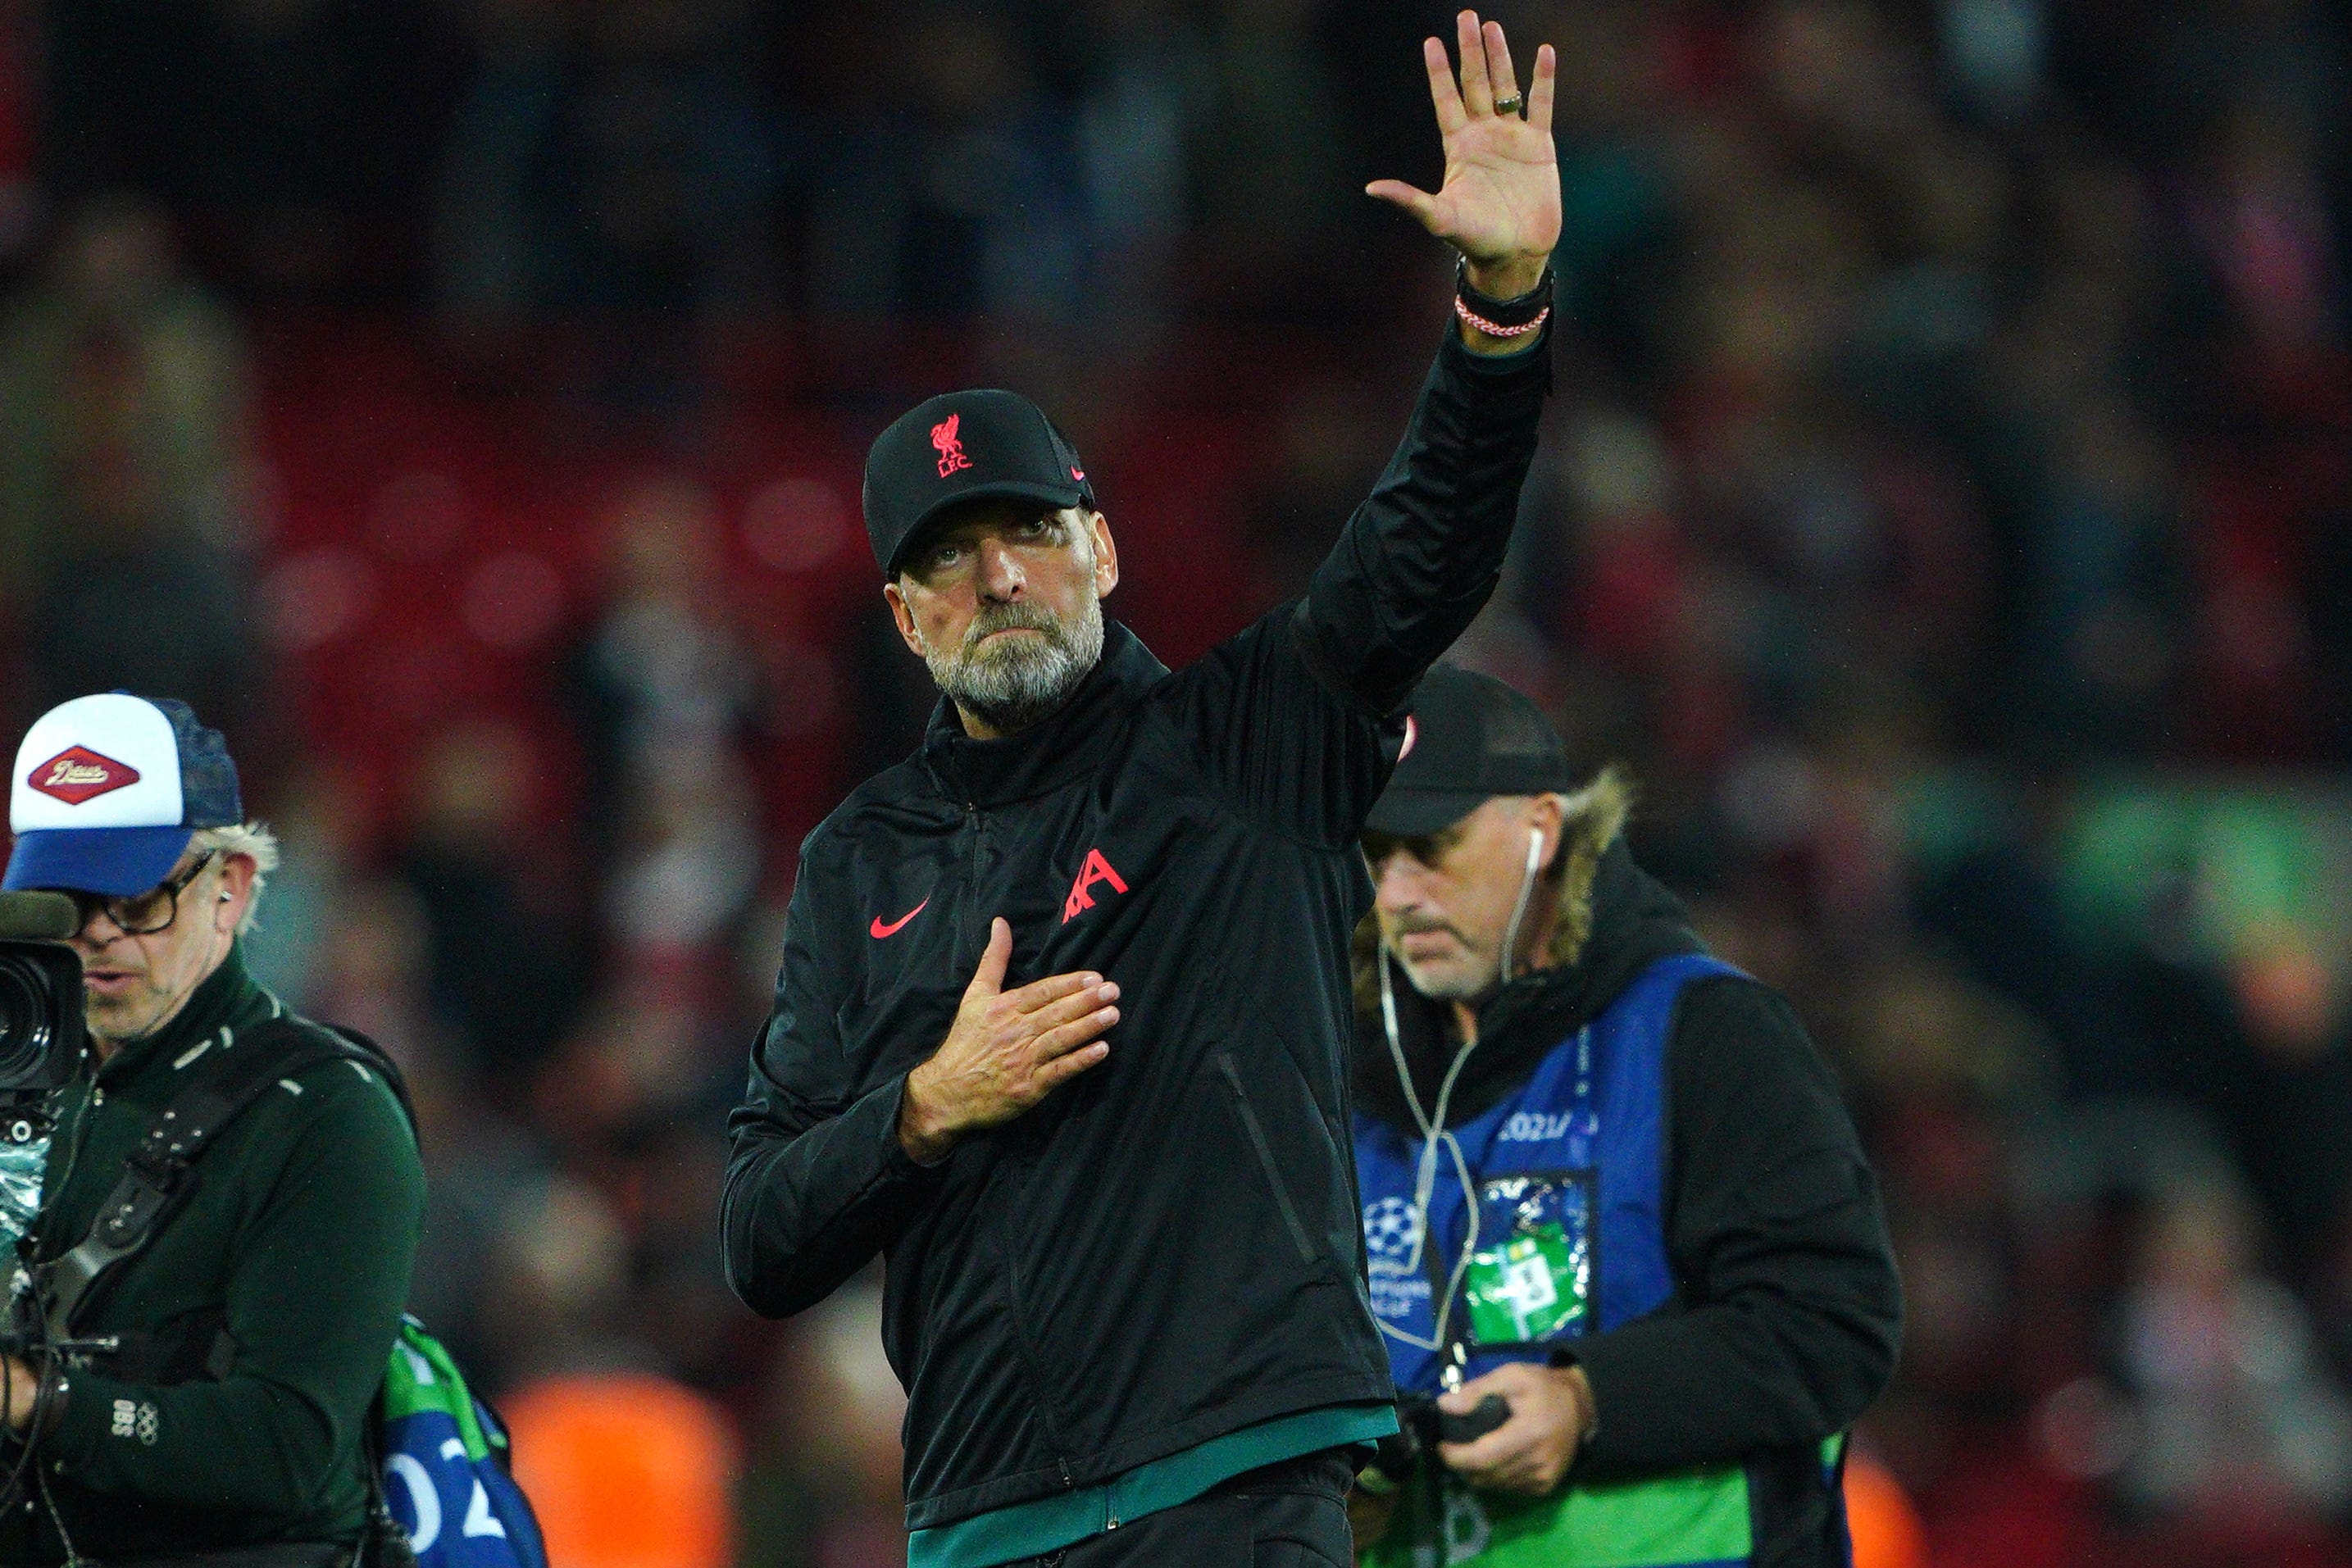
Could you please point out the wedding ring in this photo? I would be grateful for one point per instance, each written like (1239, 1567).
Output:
(1511, 105)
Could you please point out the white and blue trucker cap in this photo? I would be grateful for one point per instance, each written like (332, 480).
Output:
(109, 790)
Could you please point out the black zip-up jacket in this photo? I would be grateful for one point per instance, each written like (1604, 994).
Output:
(1787, 1310)
(1167, 1248)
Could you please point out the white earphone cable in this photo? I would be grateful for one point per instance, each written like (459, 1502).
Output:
(1519, 907)
(1433, 1126)
(1433, 1134)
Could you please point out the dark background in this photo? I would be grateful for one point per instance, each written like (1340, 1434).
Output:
(1943, 513)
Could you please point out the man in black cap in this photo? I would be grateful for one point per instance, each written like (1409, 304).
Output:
(1124, 1285)
(1607, 1183)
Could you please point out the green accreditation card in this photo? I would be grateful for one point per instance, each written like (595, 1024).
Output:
(1535, 1282)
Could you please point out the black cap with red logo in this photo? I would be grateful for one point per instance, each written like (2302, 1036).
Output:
(1469, 739)
(964, 446)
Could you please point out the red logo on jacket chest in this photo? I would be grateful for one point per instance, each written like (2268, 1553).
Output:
(1096, 869)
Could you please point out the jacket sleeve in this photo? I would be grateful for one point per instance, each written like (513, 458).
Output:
(817, 1183)
(312, 1309)
(1420, 557)
(1790, 1309)
(1291, 711)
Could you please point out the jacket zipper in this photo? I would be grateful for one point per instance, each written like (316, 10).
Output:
(1012, 1266)
(1265, 1158)
(1028, 1351)
(971, 887)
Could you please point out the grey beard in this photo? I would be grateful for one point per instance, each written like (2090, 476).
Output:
(1473, 989)
(1011, 686)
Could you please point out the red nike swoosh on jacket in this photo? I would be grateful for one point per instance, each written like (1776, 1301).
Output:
(892, 929)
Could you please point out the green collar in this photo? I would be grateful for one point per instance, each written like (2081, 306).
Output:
(228, 997)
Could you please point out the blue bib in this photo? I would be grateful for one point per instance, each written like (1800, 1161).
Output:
(1567, 1177)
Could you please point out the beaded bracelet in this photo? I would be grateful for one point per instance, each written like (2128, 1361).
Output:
(1494, 330)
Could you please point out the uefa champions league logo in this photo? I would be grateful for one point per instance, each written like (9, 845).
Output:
(1392, 1235)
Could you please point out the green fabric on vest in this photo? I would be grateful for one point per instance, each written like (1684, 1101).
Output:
(1033, 1529)
(423, 1376)
(1691, 1516)
(1688, 1516)
(300, 1233)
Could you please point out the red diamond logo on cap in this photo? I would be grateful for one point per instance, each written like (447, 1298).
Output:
(77, 774)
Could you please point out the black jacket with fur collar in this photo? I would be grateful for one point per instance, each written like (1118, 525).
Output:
(1787, 1310)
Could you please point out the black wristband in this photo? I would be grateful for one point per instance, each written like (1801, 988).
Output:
(1515, 312)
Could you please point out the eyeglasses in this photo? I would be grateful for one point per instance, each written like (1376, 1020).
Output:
(139, 913)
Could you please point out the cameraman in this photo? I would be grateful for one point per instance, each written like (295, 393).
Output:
(254, 1327)
(1606, 1182)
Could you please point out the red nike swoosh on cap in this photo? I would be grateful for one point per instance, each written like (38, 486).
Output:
(892, 929)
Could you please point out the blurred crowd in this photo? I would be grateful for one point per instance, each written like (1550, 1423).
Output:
(1946, 512)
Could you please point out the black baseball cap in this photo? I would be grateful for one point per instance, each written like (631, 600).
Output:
(964, 446)
(1468, 738)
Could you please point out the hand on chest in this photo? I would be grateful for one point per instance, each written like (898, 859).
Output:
(1086, 882)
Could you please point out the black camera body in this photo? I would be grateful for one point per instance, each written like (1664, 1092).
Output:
(41, 1035)
(1422, 1427)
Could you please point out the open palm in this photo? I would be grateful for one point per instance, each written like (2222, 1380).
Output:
(1500, 199)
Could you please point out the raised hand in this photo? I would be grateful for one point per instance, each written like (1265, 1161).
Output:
(1499, 204)
(1006, 1052)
